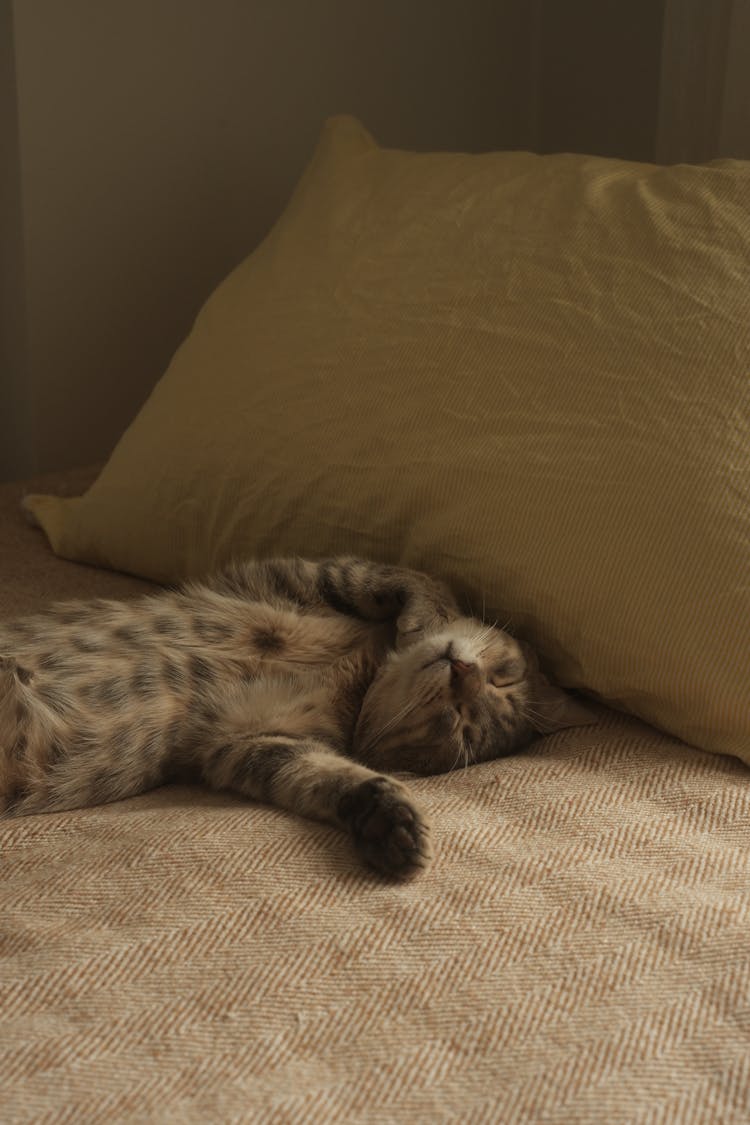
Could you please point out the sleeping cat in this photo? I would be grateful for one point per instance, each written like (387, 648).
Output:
(288, 681)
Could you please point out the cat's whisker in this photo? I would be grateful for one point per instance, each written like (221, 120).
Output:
(481, 636)
(393, 721)
(464, 751)
(471, 757)
(528, 706)
(530, 712)
(458, 755)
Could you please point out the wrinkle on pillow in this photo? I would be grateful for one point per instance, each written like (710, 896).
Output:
(527, 374)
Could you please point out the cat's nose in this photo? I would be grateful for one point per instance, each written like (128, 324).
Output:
(465, 678)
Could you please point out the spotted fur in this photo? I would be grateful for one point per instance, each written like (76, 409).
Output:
(288, 681)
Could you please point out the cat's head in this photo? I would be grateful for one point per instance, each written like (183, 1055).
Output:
(464, 694)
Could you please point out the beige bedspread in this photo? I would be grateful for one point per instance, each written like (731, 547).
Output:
(578, 952)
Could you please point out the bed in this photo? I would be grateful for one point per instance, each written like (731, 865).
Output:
(528, 376)
(576, 953)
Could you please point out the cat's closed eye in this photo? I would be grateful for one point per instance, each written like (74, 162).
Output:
(506, 674)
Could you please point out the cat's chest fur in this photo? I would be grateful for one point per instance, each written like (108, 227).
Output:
(259, 640)
(268, 637)
(273, 666)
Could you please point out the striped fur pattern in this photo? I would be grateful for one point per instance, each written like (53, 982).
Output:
(303, 684)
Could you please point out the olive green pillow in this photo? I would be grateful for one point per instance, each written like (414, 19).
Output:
(527, 374)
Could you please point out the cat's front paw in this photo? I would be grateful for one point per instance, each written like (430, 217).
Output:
(389, 832)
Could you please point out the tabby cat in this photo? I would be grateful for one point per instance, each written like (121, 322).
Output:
(287, 681)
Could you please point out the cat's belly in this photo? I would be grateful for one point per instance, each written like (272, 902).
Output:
(140, 678)
(305, 674)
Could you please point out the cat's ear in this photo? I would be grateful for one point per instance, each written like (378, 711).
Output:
(552, 708)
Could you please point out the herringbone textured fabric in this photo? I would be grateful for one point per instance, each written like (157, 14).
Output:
(578, 952)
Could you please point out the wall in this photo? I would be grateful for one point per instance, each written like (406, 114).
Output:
(734, 123)
(663, 80)
(599, 69)
(158, 140)
(704, 108)
(15, 408)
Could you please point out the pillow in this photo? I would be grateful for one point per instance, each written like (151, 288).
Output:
(526, 374)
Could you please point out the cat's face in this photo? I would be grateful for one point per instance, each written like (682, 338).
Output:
(455, 697)
(462, 695)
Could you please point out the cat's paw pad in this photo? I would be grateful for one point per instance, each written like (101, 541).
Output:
(389, 832)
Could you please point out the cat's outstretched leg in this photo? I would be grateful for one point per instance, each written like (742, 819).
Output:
(305, 776)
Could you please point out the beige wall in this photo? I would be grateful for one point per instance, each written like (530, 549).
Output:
(160, 138)
(15, 412)
(734, 123)
(599, 76)
(147, 145)
(705, 81)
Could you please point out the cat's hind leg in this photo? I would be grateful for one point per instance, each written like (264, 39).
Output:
(306, 776)
(12, 733)
(60, 752)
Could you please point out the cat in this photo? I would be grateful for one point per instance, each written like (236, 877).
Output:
(300, 683)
